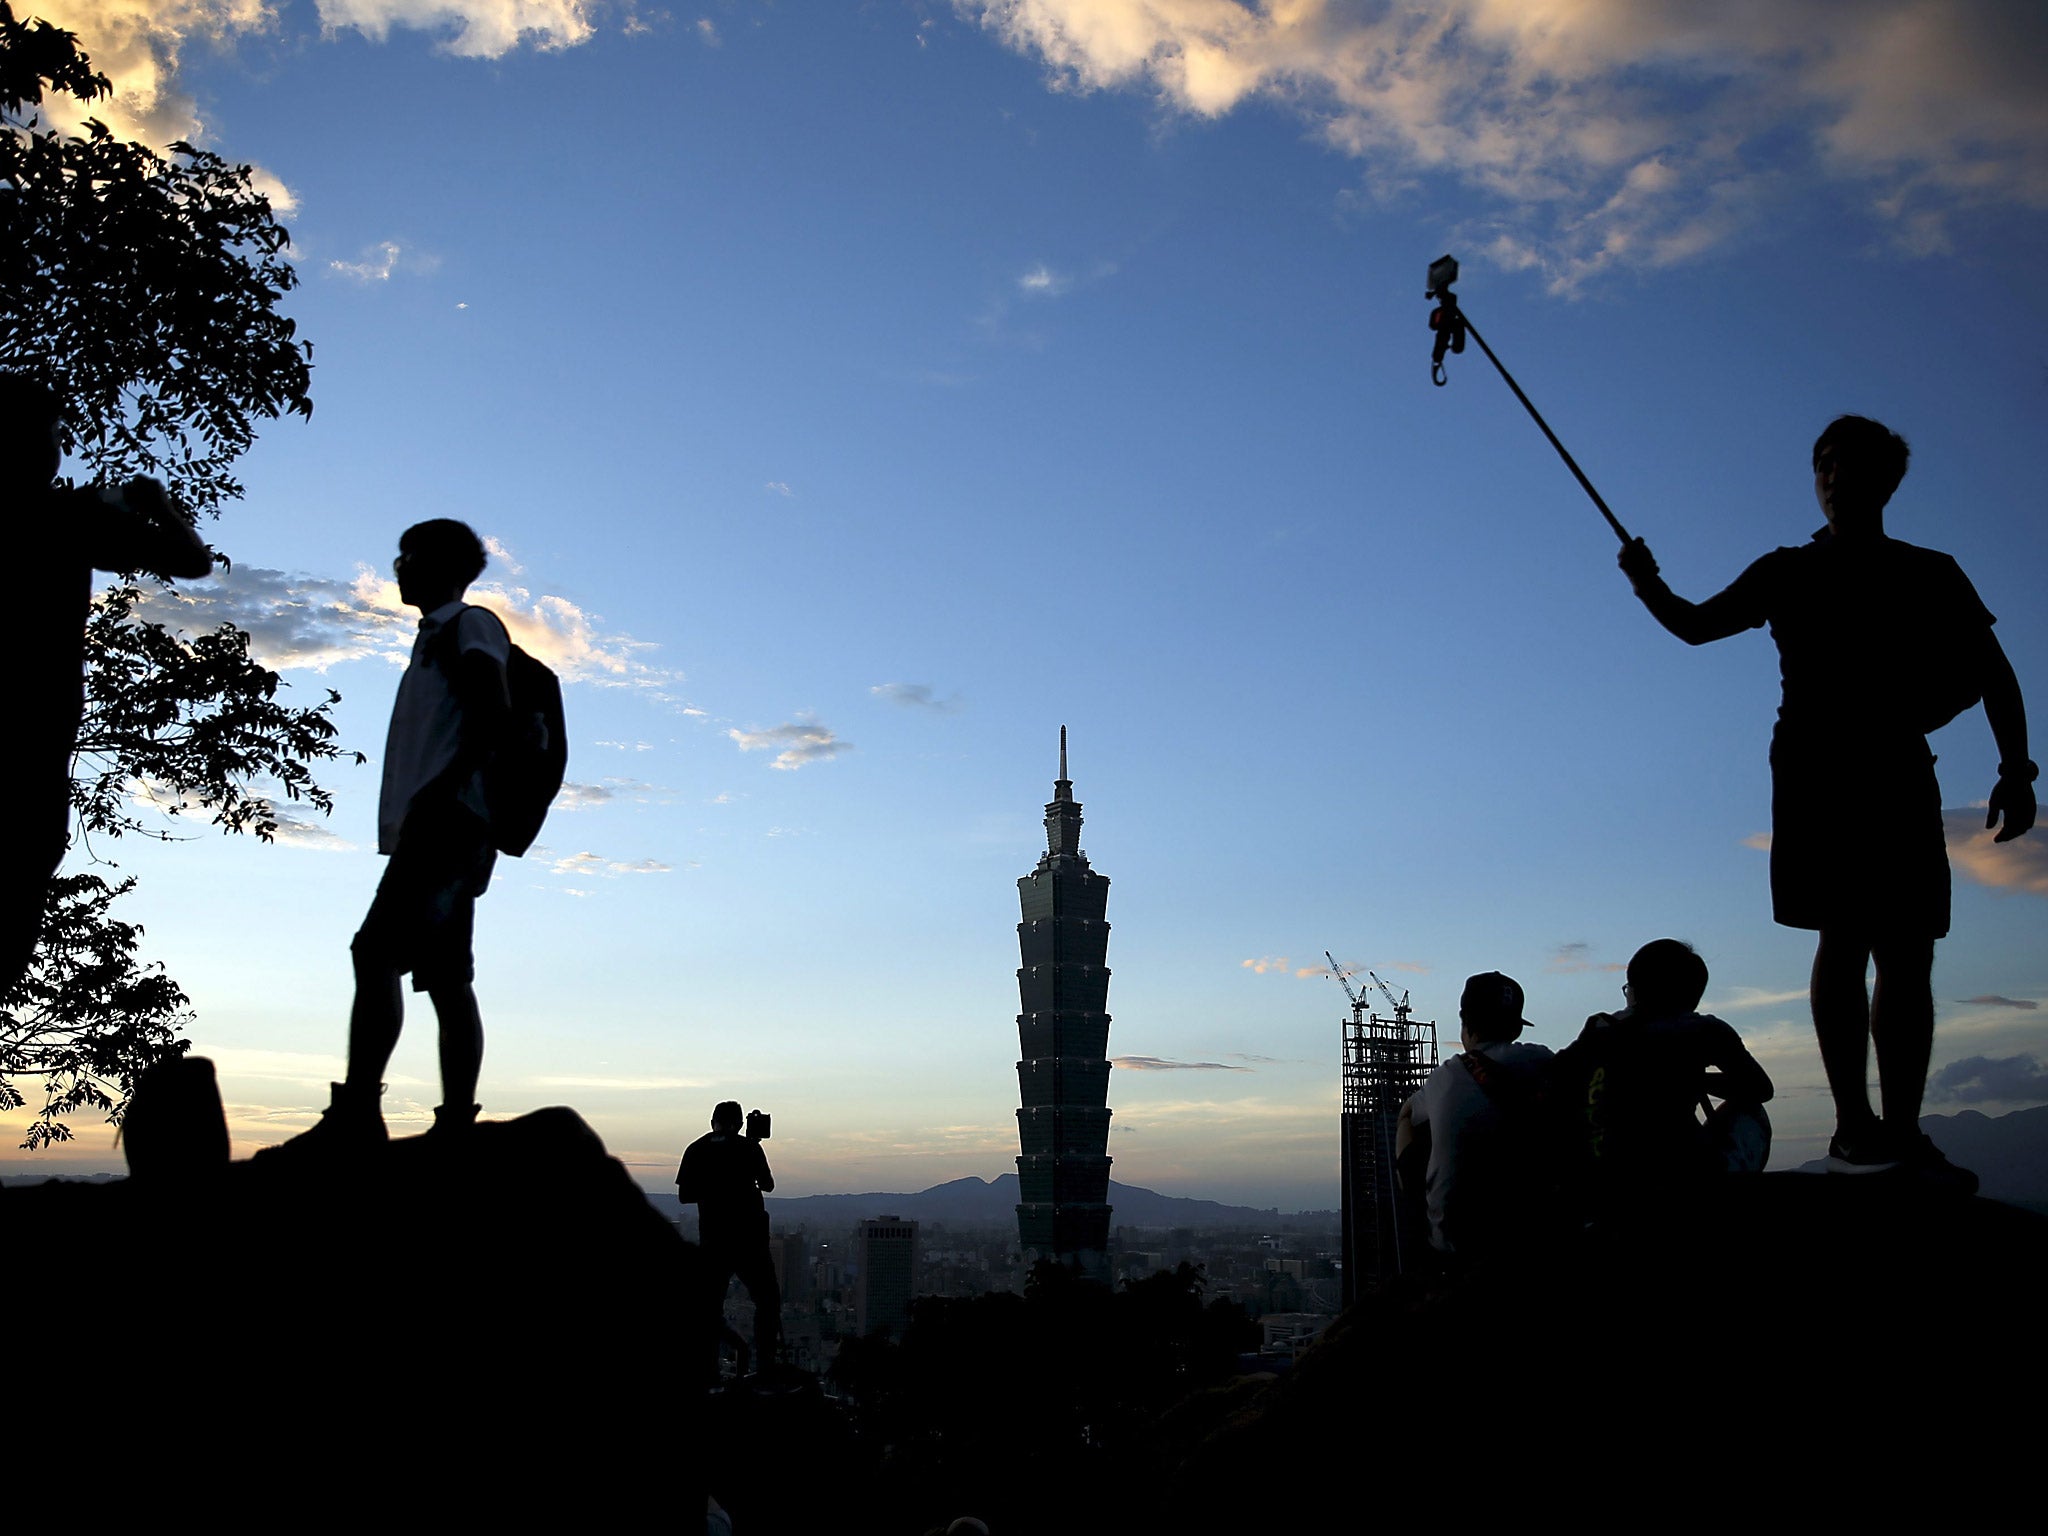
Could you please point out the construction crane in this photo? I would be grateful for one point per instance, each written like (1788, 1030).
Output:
(1344, 980)
(1401, 1009)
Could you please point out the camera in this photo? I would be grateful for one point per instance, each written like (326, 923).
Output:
(1442, 273)
(757, 1125)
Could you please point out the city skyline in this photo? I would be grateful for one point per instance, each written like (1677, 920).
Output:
(814, 376)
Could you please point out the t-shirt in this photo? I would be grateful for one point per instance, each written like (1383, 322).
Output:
(1628, 1090)
(723, 1174)
(426, 717)
(1876, 637)
(1480, 1154)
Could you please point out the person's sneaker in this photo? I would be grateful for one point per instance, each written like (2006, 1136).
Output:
(1924, 1160)
(1861, 1154)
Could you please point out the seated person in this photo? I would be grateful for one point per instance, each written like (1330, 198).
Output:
(1628, 1091)
(1474, 1129)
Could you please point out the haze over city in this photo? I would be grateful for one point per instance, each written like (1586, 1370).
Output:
(853, 396)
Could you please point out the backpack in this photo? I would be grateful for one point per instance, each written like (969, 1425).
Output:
(523, 776)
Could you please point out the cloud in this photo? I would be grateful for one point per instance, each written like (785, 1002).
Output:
(1576, 957)
(1161, 1064)
(300, 829)
(590, 1084)
(707, 30)
(137, 45)
(1266, 964)
(1755, 997)
(779, 487)
(607, 869)
(1989, 1080)
(582, 797)
(1256, 1059)
(628, 746)
(916, 696)
(296, 621)
(377, 265)
(1305, 971)
(472, 29)
(1604, 133)
(1993, 1000)
(801, 742)
(2020, 865)
(1041, 282)
(1761, 841)
(495, 547)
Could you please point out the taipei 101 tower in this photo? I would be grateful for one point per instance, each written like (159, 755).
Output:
(1063, 988)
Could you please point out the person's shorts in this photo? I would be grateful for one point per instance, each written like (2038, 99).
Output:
(424, 913)
(1856, 841)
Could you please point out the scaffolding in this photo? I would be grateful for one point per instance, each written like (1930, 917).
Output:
(1385, 1060)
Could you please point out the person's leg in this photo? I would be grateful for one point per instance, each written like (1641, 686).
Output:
(1841, 1024)
(462, 1046)
(374, 1020)
(757, 1274)
(1902, 1028)
(1738, 1137)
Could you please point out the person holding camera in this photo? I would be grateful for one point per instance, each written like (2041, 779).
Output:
(724, 1174)
(1879, 643)
(63, 535)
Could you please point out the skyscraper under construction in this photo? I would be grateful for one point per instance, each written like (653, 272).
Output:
(1386, 1058)
(1063, 1033)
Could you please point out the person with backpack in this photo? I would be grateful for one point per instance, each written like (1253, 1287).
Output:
(453, 718)
(1880, 642)
(1475, 1129)
(1627, 1092)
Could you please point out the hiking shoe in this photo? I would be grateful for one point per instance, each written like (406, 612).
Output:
(1924, 1160)
(1861, 1154)
(352, 1122)
(454, 1120)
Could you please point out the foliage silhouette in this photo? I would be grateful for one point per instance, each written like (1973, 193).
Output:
(143, 289)
(87, 1019)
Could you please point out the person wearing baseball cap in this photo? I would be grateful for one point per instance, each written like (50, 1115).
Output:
(1475, 1129)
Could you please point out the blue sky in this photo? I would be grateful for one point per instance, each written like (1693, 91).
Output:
(857, 394)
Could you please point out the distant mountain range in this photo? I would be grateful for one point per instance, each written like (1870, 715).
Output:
(972, 1202)
(2008, 1153)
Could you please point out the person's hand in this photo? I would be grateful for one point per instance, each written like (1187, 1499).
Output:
(1638, 564)
(2013, 798)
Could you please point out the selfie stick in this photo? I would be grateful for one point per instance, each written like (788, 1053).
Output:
(1451, 327)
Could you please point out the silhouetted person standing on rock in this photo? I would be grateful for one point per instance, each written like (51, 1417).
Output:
(1879, 643)
(724, 1174)
(61, 536)
(451, 711)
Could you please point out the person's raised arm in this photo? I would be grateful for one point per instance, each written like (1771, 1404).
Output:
(1717, 618)
(140, 529)
(2012, 797)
